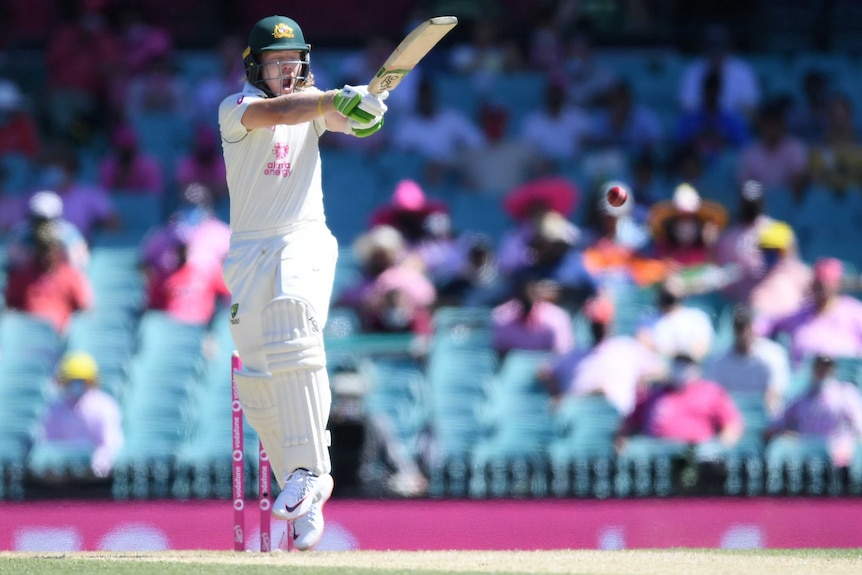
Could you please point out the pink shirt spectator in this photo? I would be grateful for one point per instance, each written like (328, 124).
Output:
(94, 419)
(773, 168)
(143, 175)
(782, 291)
(52, 295)
(835, 332)
(189, 294)
(601, 370)
(81, 58)
(212, 175)
(547, 327)
(86, 207)
(693, 413)
(404, 278)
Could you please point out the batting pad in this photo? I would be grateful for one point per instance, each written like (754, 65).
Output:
(293, 345)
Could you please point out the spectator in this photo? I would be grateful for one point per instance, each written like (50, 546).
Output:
(753, 364)
(503, 162)
(486, 57)
(588, 80)
(45, 207)
(19, 133)
(204, 164)
(711, 129)
(359, 65)
(775, 159)
(785, 279)
(470, 275)
(527, 205)
(829, 323)
(394, 295)
(647, 185)
(530, 320)
(208, 236)
(84, 416)
(157, 89)
(127, 169)
(82, 55)
(613, 254)
(686, 408)
(211, 89)
(809, 120)
(142, 40)
(740, 93)
(410, 212)
(13, 206)
(437, 134)
(190, 292)
(599, 369)
(623, 125)
(685, 228)
(826, 420)
(88, 207)
(49, 287)
(837, 163)
(141, 43)
(679, 329)
(555, 130)
(555, 258)
(737, 249)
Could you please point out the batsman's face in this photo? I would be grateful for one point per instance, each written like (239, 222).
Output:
(280, 69)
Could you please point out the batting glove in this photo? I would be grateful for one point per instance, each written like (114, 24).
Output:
(365, 129)
(357, 104)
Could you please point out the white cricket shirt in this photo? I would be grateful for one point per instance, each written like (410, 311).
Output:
(273, 174)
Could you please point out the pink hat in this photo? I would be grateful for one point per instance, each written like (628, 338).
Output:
(829, 271)
(408, 196)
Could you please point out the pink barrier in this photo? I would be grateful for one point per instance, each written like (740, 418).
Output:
(352, 524)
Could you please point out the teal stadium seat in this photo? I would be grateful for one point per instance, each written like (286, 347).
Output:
(582, 452)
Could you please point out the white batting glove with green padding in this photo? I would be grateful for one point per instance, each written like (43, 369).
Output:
(365, 129)
(357, 104)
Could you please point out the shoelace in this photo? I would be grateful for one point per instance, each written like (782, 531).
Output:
(297, 486)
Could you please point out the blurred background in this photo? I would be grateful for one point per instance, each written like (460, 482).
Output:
(498, 329)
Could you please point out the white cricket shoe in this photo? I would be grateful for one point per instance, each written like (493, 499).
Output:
(308, 529)
(301, 490)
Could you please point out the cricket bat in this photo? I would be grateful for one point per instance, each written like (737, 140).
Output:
(410, 51)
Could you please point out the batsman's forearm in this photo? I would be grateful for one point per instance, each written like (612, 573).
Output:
(290, 109)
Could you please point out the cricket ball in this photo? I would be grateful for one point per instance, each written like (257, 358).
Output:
(617, 196)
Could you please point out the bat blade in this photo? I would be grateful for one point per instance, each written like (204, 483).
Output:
(410, 52)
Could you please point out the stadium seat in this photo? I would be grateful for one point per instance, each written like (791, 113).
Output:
(23, 335)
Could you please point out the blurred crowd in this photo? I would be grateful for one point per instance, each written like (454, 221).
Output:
(630, 300)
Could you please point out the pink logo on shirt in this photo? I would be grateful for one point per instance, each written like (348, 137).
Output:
(281, 151)
(279, 167)
(240, 99)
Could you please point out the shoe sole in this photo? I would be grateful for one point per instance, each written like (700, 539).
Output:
(322, 502)
(302, 507)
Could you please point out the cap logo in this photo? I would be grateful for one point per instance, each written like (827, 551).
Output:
(282, 30)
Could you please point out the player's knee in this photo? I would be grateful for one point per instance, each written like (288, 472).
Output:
(292, 338)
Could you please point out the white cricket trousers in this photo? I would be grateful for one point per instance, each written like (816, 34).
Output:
(297, 262)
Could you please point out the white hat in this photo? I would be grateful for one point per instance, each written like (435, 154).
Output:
(382, 237)
(46, 204)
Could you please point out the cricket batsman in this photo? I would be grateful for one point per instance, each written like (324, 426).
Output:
(281, 264)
